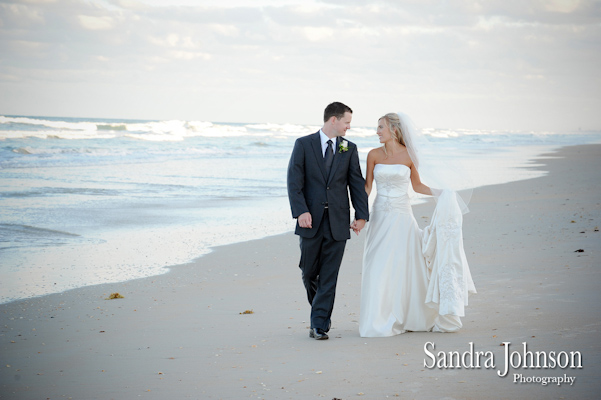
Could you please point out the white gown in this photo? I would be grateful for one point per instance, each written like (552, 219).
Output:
(409, 274)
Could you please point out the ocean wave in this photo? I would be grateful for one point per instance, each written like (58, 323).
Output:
(68, 151)
(23, 150)
(112, 127)
(16, 236)
(58, 134)
(283, 129)
(56, 124)
(59, 191)
(168, 130)
(19, 127)
(43, 155)
(34, 230)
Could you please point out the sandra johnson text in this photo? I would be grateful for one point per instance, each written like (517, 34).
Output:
(524, 359)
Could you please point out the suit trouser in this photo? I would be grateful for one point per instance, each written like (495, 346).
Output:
(320, 261)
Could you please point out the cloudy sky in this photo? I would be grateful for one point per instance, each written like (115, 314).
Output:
(499, 64)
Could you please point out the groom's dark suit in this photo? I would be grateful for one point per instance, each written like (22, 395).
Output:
(326, 198)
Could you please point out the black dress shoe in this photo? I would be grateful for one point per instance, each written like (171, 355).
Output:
(318, 334)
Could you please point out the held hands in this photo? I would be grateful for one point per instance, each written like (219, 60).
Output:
(305, 220)
(357, 225)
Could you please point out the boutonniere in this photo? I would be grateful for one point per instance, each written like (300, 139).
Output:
(343, 146)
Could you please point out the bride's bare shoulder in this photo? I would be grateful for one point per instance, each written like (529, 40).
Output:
(376, 154)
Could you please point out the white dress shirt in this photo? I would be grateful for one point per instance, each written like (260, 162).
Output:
(324, 143)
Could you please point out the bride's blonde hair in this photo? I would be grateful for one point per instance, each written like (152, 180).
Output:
(394, 124)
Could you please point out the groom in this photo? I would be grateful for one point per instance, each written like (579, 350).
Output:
(323, 169)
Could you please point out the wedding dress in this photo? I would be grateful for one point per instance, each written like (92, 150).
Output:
(413, 279)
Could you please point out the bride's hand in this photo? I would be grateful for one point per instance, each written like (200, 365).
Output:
(356, 226)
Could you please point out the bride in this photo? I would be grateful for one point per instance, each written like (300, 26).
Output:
(413, 279)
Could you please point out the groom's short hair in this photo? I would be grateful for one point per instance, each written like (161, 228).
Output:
(336, 109)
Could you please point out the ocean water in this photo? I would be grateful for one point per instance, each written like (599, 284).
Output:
(89, 201)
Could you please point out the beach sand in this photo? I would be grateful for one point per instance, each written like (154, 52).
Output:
(184, 334)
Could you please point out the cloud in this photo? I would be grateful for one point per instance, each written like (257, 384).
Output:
(40, 1)
(189, 55)
(225, 29)
(461, 63)
(317, 34)
(96, 23)
(20, 15)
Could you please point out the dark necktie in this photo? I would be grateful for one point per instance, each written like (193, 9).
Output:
(329, 157)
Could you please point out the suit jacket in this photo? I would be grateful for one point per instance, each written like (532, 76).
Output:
(309, 189)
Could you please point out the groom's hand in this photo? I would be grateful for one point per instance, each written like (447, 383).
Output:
(305, 220)
(357, 225)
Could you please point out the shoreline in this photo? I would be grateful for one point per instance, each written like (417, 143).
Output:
(138, 254)
(182, 334)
